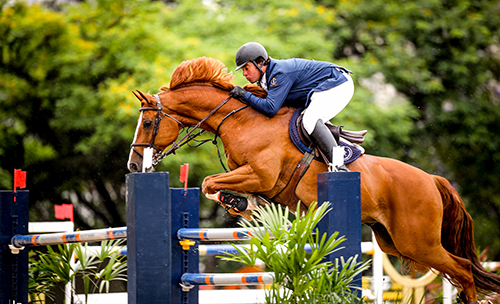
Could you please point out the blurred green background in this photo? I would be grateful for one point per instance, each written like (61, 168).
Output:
(427, 78)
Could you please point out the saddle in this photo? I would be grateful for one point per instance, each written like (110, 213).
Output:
(350, 140)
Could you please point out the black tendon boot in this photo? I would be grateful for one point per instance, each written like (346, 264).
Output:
(236, 202)
(323, 139)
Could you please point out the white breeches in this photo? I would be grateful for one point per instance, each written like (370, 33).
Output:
(325, 105)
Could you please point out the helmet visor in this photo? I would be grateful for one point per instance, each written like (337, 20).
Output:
(241, 65)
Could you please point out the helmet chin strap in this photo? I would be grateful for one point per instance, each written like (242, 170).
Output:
(259, 67)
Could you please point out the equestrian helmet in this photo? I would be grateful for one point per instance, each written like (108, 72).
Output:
(250, 51)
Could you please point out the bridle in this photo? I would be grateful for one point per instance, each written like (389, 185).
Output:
(157, 121)
(187, 138)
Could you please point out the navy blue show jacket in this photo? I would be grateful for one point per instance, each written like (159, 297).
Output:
(291, 82)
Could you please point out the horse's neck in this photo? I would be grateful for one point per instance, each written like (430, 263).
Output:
(197, 102)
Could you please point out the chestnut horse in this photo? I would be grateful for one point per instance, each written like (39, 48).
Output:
(414, 215)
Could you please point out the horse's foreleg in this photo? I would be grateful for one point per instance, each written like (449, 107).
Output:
(243, 180)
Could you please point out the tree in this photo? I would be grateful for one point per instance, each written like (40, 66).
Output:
(64, 102)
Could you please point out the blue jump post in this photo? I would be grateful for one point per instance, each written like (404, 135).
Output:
(13, 267)
(156, 260)
(343, 191)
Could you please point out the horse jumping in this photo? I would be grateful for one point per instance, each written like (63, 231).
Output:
(415, 216)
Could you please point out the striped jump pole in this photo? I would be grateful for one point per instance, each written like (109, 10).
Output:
(211, 250)
(227, 279)
(216, 234)
(96, 235)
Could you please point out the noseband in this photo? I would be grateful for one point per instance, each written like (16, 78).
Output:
(159, 155)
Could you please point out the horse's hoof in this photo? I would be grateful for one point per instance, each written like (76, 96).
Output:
(213, 196)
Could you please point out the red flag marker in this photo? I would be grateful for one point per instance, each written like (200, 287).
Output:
(64, 211)
(184, 175)
(19, 180)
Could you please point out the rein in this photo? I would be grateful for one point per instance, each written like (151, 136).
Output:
(214, 141)
(187, 138)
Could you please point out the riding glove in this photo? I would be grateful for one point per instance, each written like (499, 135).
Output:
(238, 93)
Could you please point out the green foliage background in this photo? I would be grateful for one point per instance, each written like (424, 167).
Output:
(426, 72)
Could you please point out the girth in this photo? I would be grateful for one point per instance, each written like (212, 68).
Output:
(288, 193)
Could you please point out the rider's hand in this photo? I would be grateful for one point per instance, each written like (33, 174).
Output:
(238, 93)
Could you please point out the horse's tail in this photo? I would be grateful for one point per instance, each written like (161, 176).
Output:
(457, 236)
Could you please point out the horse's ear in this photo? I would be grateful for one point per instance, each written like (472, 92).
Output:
(137, 96)
(142, 95)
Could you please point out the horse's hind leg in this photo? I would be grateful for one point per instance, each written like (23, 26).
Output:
(387, 245)
(459, 269)
(435, 256)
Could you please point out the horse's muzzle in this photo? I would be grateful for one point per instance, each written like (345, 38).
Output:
(136, 167)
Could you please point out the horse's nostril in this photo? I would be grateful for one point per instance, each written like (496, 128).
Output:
(133, 167)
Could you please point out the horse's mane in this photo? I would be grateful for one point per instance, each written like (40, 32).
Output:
(203, 70)
(207, 71)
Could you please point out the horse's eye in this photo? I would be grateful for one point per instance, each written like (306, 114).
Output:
(147, 123)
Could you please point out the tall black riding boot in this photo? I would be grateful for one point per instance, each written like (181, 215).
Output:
(323, 139)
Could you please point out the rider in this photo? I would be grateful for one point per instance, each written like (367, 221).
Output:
(323, 88)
